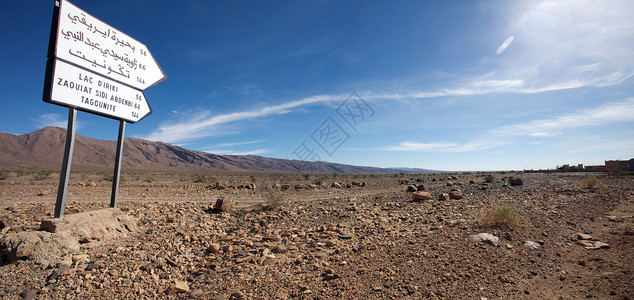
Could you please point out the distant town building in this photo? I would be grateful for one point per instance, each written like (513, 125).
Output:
(618, 165)
(597, 168)
(609, 166)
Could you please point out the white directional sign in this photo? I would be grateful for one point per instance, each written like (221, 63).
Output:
(76, 87)
(90, 43)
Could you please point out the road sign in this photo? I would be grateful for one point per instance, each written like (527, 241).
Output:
(75, 87)
(90, 43)
(95, 68)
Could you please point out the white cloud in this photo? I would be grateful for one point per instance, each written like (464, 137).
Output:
(608, 113)
(444, 146)
(505, 45)
(233, 152)
(225, 145)
(51, 120)
(202, 125)
(569, 43)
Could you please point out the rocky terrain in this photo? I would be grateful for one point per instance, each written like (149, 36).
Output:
(332, 237)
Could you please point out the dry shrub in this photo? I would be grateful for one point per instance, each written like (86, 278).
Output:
(273, 198)
(590, 183)
(499, 215)
(490, 179)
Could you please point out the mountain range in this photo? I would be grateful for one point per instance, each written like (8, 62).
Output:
(44, 149)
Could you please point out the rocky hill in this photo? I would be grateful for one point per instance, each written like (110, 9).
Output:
(45, 148)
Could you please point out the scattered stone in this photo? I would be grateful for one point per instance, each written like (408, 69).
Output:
(281, 248)
(531, 245)
(336, 185)
(53, 276)
(586, 230)
(178, 287)
(80, 259)
(285, 187)
(411, 189)
(420, 188)
(443, 197)
(223, 205)
(583, 236)
(486, 238)
(455, 194)
(598, 245)
(213, 248)
(29, 295)
(345, 235)
(420, 196)
(330, 276)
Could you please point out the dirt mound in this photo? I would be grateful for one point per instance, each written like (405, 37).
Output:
(62, 237)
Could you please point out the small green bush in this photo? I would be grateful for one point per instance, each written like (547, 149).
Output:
(43, 174)
(4, 174)
(198, 178)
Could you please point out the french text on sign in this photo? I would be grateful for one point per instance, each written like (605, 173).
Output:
(84, 90)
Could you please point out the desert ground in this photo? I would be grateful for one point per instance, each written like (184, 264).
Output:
(300, 236)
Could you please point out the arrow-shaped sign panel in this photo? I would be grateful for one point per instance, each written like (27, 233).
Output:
(88, 91)
(90, 43)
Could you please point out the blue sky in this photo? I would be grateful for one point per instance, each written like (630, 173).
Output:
(449, 85)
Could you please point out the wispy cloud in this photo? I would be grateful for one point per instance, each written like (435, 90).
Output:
(225, 145)
(445, 146)
(221, 148)
(202, 124)
(622, 111)
(505, 45)
(233, 152)
(56, 120)
(568, 43)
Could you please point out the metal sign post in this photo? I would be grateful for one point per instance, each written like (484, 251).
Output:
(68, 158)
(117, 165)
(96, 68)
